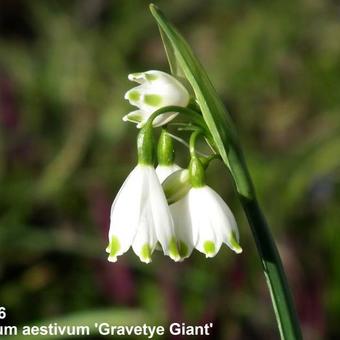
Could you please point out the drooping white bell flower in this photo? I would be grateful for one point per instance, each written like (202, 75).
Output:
(157, 89)
(140, 217)
(202, 219)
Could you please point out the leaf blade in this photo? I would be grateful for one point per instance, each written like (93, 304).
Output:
(213, 110)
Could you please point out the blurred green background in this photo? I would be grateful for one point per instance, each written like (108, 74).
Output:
(64, 153)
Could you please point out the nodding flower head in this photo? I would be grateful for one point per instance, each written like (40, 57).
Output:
(157, 89)
(140, 217)
(201, 218)
(204, 221)
(168, 207)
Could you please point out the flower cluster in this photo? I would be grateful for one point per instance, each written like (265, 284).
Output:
(167, 207)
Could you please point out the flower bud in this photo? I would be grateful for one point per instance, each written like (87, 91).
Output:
(156, 90)
(177, 185)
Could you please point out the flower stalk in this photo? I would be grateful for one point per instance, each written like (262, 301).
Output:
(145, 145)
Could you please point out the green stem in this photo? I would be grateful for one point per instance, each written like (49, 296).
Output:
(207, 159)
(183, 142)
(192, 142)
(194, 116)
(276, 279)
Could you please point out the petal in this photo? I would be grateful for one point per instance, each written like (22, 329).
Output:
(125, 212)
(136, 116)
(164, 171)
(145, 239)
(158, 121)
(208, 238)
(164, 118)
(157, 76)
(225, 221)
(172, 94)
(138, 77)
(157, 89)
(156, 95)
(183, 226)
(161, 217)
(149, 76)
(135, 95)
(147, 102)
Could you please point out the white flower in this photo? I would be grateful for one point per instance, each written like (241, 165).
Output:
(157, 89)
(164, 171)
(204, 221)
(140, 217)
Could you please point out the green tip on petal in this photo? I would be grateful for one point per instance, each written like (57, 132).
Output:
(209, 248)
(134, 117)
(150, 77)
(173, 250)
(145, 254)
(183, 249)
(234, 245)
(133, 95)
(113, 249)
(153, 99)
(112, 259)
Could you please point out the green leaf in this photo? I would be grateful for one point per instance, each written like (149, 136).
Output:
(182, 59)
(175, 68)
(225, 138)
